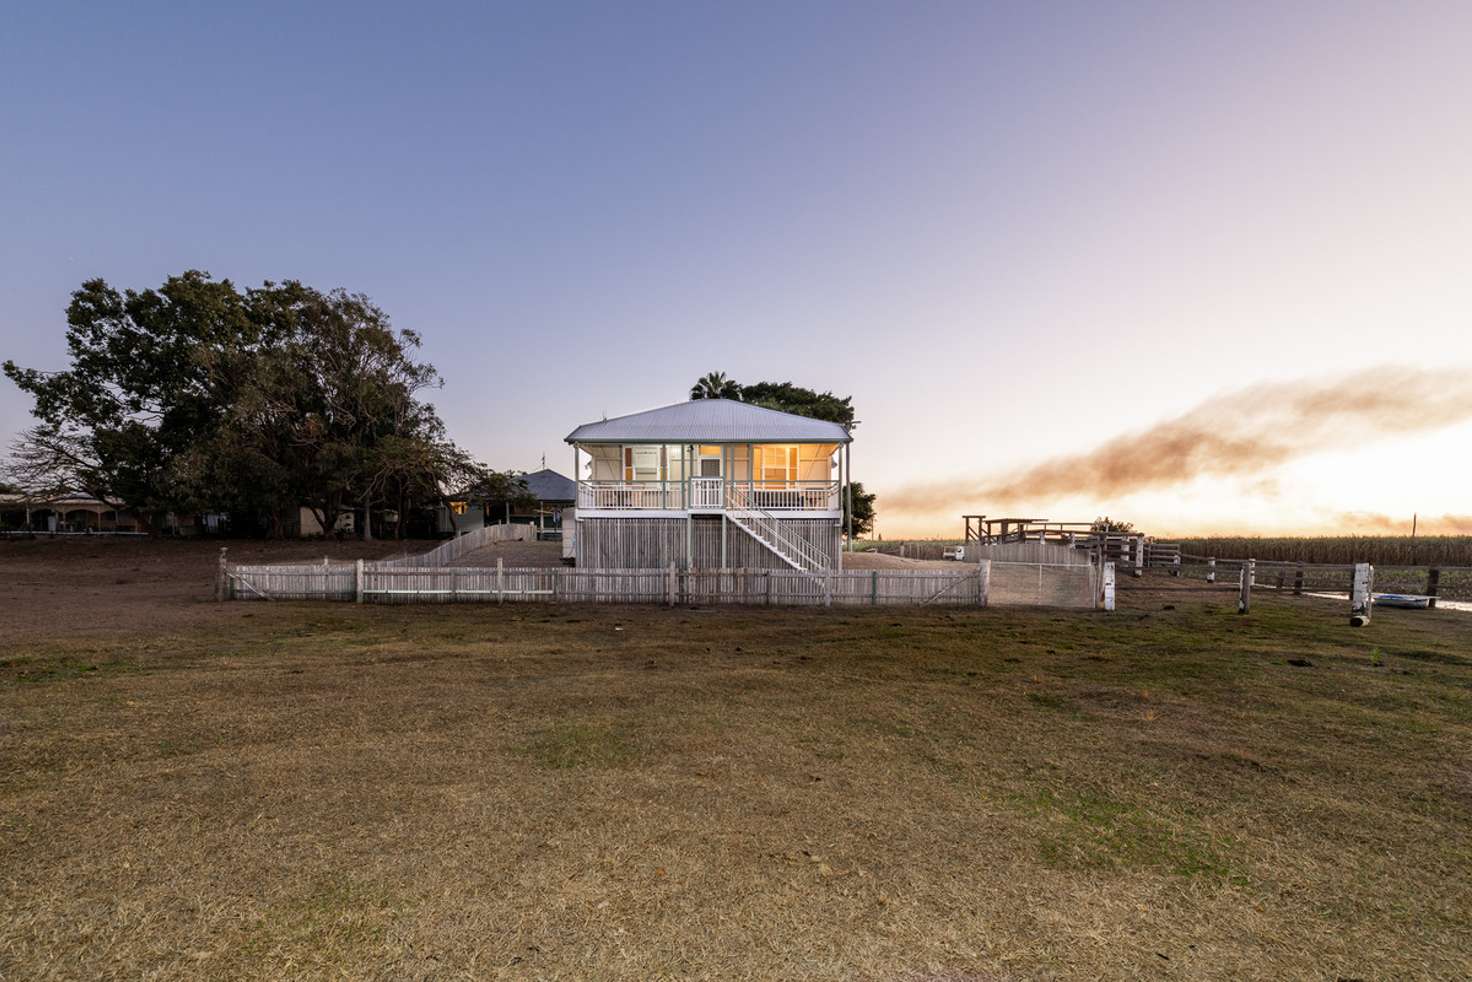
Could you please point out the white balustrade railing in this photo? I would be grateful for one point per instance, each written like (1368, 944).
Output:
(707, 494)
(630, 495)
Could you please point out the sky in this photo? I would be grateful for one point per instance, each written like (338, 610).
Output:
(1012, 232)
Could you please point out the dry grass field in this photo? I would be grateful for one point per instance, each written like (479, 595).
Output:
(267, 790)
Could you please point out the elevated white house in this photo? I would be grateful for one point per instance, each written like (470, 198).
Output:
(710, 484)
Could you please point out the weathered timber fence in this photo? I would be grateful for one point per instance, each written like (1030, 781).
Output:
(1013, 584)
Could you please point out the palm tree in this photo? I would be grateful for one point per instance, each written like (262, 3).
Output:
(715, 385)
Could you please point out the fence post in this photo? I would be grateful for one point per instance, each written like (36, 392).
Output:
(1211, 569)
(358, 582)
(1138, 556)
(874, 589)
(1244, 586)
(1176, 566)
(1361, 595)
(222, 577)
(828, 589)
(500, 580)
(1281, 576)
(1298, 580)
(1107, 575)
(983, 581)
(1433, 584)
(767, 575)
(669, 585)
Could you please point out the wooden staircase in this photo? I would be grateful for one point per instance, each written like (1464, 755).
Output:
(766, 529)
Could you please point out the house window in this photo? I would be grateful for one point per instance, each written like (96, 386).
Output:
(777, 465)
(641, 463)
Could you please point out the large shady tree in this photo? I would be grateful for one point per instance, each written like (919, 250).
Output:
(198, 397)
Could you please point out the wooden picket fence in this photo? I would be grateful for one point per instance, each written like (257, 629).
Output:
(970, 585)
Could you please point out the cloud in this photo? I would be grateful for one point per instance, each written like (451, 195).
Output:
(1242, 433)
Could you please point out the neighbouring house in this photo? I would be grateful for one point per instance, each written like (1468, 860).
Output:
(65, 513)
(710, 484)
(308, 525)
(550, 493)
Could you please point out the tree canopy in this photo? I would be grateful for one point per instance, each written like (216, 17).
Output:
(715, 385)
(782, 396)
(863, 510)
(200, 397)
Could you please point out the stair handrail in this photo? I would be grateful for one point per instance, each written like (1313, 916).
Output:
(738, 502)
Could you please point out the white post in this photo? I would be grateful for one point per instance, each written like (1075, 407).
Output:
(983, 581)
(1108, 589)
(1211, 569)
(500, 580)
(848, 492)
(1244, 586)
(1362, 595)
(358, 583)
(1138, 556)
(669, 585)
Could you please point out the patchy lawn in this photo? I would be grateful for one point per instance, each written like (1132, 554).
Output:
(271, 789)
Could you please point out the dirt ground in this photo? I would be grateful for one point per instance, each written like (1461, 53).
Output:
(514, 554)
(267, 790)
(66, 586)
(879, 560)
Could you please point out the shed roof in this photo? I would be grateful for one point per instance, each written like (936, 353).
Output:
(710, 421)
(548, 485)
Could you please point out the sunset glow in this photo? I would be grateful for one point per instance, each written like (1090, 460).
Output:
(1013, 233)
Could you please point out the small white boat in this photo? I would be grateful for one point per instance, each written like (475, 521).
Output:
(1402, 600)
